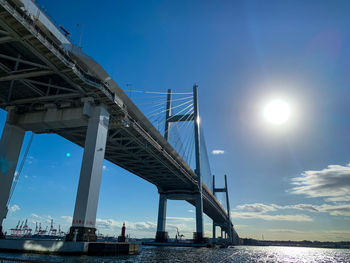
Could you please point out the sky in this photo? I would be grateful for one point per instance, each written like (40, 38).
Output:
(286, 182)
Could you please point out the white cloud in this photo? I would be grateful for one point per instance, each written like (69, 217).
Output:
(254, 215)
(30, 159)
(216, 152)
(104, 167)
(256, 208)
(146, 229)
(68, 219)
(335, 210)
(304, 207)
(259, 210)
(183, 219)
(113, 226)
(43, 219)
(14, 208)
(190, 211)
(338, 199)
(332, 183)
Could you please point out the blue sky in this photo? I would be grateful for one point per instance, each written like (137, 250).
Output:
(286, 182)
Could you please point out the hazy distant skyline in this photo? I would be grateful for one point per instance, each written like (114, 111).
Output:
(286, 182)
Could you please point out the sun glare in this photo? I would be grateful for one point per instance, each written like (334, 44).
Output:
(277, 112)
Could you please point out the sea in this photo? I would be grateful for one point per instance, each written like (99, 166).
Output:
(214, 255)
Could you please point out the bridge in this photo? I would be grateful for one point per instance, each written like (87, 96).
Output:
(48, 85)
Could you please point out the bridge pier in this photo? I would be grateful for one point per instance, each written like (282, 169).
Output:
(214, 232)
(161, 235)
(10, 148)
(198, 235)
(84, 219)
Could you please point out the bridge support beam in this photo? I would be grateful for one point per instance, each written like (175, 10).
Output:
(84, 219)
(161, 235)
(10, 148)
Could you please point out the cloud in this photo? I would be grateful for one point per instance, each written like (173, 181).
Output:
(304, 207)
(216, 152)
(146, 229)
(35, 215)
(190, 211)
(338, 199)
(113, 226)
(259, 210)
(256, 208)
(68, 219)
(182, 219)
(331, 183)
(14, 208)
(336, 210)
(43, 219)
(286, 230)
(30, 159)
(254, 215)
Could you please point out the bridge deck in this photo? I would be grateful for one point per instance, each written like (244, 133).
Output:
(36, 70)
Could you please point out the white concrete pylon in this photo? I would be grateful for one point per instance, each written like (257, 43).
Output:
(91, 169)
(10, 148)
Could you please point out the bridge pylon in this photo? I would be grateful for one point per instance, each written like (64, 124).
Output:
(228, 229)
(162, 235)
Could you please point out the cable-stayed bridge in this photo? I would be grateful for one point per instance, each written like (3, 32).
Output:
(48, 85)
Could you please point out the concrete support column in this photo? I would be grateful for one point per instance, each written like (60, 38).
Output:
(214, 232)
(84, 219)
(161, 235)
(10, 148)
(199, 218)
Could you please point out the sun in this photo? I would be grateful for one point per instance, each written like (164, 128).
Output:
(277, 112)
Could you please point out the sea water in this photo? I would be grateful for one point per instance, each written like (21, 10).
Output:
(215, 255)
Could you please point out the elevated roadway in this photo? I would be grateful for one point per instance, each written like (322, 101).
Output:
(47, 85)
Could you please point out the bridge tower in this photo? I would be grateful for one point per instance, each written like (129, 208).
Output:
(162, 235)
(199, 197)
(229, 227)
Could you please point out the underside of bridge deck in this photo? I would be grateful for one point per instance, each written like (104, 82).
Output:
(39, 78)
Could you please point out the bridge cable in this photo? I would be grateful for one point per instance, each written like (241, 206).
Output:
(163, 101)
(188, 111)
(156, 92)
(175, 107)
